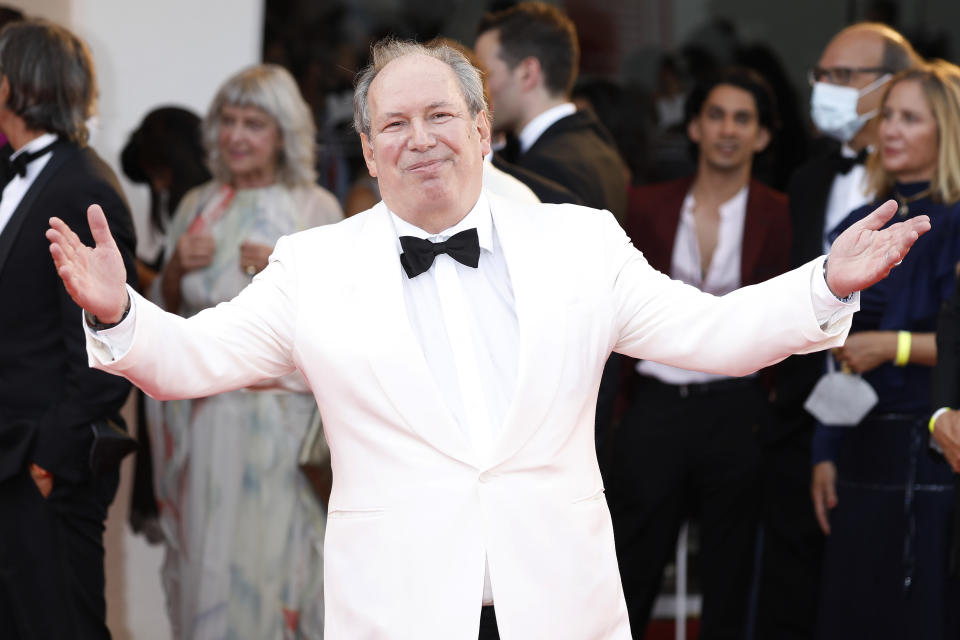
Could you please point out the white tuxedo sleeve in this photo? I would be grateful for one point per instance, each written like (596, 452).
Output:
(667, 321)
(113, 343)
(230, 346)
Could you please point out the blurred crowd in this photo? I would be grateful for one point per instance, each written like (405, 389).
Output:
(822, 490)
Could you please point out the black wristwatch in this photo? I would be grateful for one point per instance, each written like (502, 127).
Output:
(95, 323)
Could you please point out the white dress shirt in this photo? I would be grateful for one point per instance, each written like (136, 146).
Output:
(721, 276)
(848, 192)
(535, 128)
(17, 188)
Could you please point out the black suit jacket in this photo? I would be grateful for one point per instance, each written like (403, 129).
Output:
(578, 152)
(48, 394)
(796, 376)
(545, 189)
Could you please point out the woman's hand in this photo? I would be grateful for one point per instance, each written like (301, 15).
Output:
(194, 251)
(823, 490)
(867, 350)
(254, 257)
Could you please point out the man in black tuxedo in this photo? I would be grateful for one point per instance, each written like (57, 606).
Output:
(531, 56)
(859, 60)
(53, 501)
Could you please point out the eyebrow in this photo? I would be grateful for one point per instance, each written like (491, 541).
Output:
(433, 105)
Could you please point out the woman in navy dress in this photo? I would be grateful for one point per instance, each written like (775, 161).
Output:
(882, 496)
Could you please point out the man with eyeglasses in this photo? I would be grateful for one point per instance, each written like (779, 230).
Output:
(847, 86)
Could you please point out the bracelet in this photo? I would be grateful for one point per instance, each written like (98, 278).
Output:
(844, 300)
(904, 340)
(936, 414)
(95, 323)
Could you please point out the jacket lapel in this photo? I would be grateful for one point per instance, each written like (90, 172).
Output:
(12, 228)
(393, 351)
(541, 314)
(755, 225)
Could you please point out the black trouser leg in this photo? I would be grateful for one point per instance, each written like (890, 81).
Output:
(488, 624)
(673, 451)
(52, 576)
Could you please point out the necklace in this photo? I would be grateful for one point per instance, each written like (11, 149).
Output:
(904, 202)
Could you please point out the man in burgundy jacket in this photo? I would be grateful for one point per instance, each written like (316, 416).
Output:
(687, 444)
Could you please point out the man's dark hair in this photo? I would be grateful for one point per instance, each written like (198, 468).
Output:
(741, 78)
(541, 31)
(51, 78)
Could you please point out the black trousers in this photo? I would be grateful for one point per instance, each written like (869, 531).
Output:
(51, 559)
(682, 451)
(488, 624)
(788, 585)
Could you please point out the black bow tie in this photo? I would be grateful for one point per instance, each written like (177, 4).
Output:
(843, 164)
(418, 254)
(17, 166)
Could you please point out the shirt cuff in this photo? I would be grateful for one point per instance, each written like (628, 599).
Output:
(827, 307)
(114, 343)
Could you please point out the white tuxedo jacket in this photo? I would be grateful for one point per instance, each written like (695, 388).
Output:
(412, 514)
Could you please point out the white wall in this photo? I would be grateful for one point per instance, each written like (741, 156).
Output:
(146, 54)
(151, 53)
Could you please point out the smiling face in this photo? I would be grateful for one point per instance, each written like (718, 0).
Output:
(249, 145)
(909, 142)
(424, 147)
(727, 129)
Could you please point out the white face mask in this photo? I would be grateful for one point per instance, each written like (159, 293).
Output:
(834, 108)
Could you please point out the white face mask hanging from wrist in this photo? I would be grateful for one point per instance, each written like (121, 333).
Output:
(840, 399)
(833, 108)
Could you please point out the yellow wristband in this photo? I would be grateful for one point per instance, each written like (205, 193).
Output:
(937, 414)
(903, 349)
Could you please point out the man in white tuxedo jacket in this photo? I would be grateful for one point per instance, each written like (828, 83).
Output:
(458, 393)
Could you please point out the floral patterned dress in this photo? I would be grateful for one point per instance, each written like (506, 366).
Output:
(243, 529)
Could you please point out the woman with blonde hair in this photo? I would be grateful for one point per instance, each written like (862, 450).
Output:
(244, 532)
(884, 499)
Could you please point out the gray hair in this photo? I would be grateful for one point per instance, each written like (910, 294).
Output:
(52, 82)
(273, 90)
(387, 50)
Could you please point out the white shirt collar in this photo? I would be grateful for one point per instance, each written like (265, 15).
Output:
(479, 218)
(535, 128)
(35, 145)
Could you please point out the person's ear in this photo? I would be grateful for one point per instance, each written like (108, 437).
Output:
(368, 155)
(763, 139)
(530, 73)
(694, 132)
(484, 131)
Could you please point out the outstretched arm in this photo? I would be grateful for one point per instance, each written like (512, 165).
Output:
(94, 277)
(865, 253)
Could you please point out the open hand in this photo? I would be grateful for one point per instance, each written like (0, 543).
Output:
(94, 278)
(864, 254)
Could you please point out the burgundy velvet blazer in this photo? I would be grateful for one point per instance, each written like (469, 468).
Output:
(654, 215)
